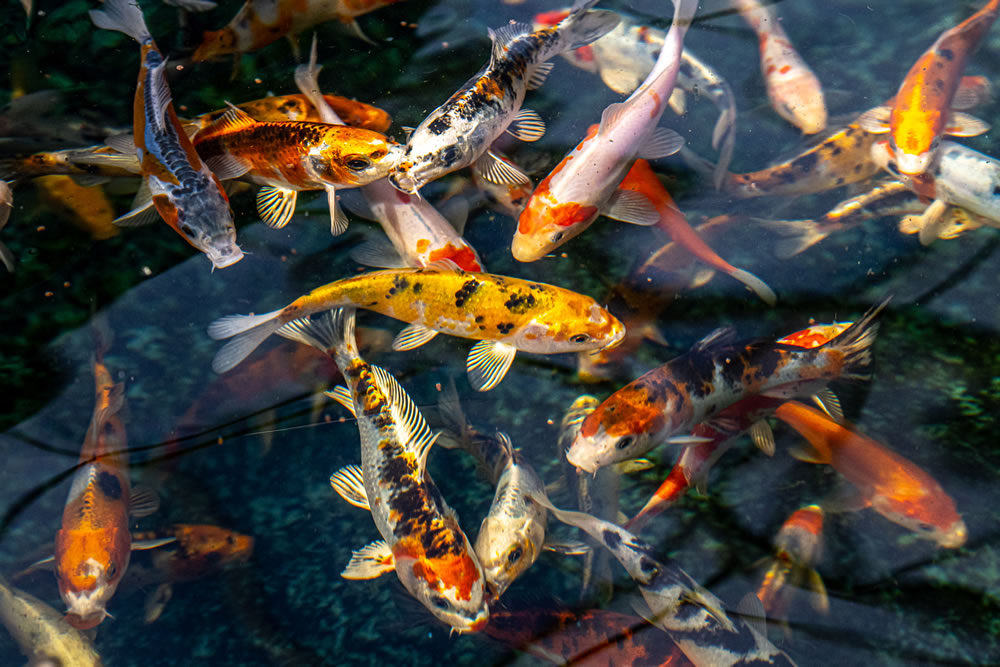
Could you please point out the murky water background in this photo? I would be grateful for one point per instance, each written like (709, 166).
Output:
(254, 455)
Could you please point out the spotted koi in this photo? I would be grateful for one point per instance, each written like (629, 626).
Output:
(298, 107)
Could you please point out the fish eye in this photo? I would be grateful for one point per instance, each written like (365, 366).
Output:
(440, 603)
(112, 569)
(357, 162)
(557, 237)
(625, 443)
(579, 338)
(188, 230)
(925, 527)
(514, 555)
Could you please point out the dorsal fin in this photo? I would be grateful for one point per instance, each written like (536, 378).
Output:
(505, 35)
(409, 421)
(232, 120)
(721, 336)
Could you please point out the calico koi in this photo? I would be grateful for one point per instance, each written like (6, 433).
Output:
(586, 182)
(184, 191)
(798, 548)
(459, 132)
(504, 314)
(715, 374)
(890, 484)
(421, 538)
(920, 113)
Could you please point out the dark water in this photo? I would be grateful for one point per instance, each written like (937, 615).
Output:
(255, 456)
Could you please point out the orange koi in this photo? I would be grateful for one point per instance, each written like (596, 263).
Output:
(890, 484)
(85, 207)
(798, 547)
(298, 107)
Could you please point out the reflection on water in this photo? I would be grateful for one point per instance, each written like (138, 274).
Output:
(252, 450)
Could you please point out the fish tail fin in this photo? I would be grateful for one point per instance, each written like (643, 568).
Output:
(124, 16)
(342, 340)
(456, 425)
(317, 332)
(582, 27)
(855, 344)
(798, 235)
(759, 287)
(247, 333)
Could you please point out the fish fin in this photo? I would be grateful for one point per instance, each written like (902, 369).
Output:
(752, 610)
(370, 562)
(630, 206)
(932, 221)
(762, 436)
(408, 418)
(830, 404)
(355, 202)
(145, 545)
(193, 5)
(806, 453)
(7, 257)
(407, 131)
(967, 97)
(275, 205)
(538, 74)
(247, 333)
(123, 143)
(660, 142)
(701, 277)
(567, 547)
(488, 363)
(342, 395)
(456, 212)
(378, 253)
(349, 483)
(89, 180)
(47, 563)
(610, 116)
(498, 171)
(503, 36)
(845, 498)
(855, 343)
(756, 285)
(123, 16)
(621, 80)
(527, 126)
(632, 466)
(798, 235)
(156, 601)
(678, 101)
(720, 336)
(317, 332)
(138, 217)
(687, 440)
(819, 600)
(412, 337)
(354, 28)
(875, 121)
(227, 166)
(451, 413)
(161, 94)
(122, 159)
(965, 125)
(143, 501)
(338, 219)
(582, 27)
(232, 120)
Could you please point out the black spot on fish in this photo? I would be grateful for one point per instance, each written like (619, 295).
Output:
(807, 162)
(996, 191)
(939, 85)
(612, 539)
(857, 168)
(647, 565)
(418, 288)
(948, 54)
(519, 303)
(479, 319)
(109, 485)
(787, 176)
(505, 327)
(836, 150)
(449, 155)
(399, 284)
(840, 180)
(440, 124)
(466, 291)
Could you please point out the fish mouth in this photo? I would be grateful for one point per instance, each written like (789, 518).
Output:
(85, 609)
(524, 250)
(85, 622)
(573, 457)
(224, 256)
(912, 165)
(404, 182)
(955, 537)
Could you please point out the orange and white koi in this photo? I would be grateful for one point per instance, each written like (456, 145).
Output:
(421, 538)
(298, 107)
(261, 22)
(798, 548)
(643, 180)
(890, 484)
(794, 90)
(586, 182)
(504, 314)
(287, 157)
(459, 132)
(920, 113)
(715, 374)
(184, 191)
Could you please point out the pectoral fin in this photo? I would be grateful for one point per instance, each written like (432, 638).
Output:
(370, 562)
(412, 337)
(143, 501)
(660, 142)
(965, 125)
(875, 121)
(488, 363)
(631, 206)
(275, 205)
(496, 170)
(527, 126)
(338, 219)
(143, 545)
(349, 483)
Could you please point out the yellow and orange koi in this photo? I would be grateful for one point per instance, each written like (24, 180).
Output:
(504, 314)
(798, 548)
(290, 156)
(261, 22)
(184, 191)
(88, 165)
(890, 484)
(794, 90)
(85, 207)
(421, 539)
(697, 386)
(920, 113)
(298, 107)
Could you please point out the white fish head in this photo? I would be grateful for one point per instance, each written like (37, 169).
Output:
(85, 607)
(507, 546)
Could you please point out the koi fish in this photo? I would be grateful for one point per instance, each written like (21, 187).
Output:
(93, 546)
(459, 132)
(920, 113)
(588, 638)
(890, 484)
(41, 632)
(643, 180)
(715, 374)
(961, 178)
(88, 166)
(794, 90)
(261, 22)
(289, 156)
(626, 55)
(422, 540)
(506, 198)
(186, 194)
(512, 533)
(504, 314)
(586, 182)
(299, 108)
(85, 207)
(6, 205)
(693, 617)
(798, 548)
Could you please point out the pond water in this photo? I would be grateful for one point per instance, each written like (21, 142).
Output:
(252, 450)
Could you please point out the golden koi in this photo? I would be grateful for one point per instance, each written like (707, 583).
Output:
(715, 374)
(421, 538)
(298, 107)
(920, 113)
(186, 194)
(89, 166)
(85, 207)
(890, 484)
(504, 314)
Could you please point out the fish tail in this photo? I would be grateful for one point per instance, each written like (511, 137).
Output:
(582, 27)
(247, 333)
(798, 235)
(342, 339)
(855, 344)
(331, 333)
(124, 16)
